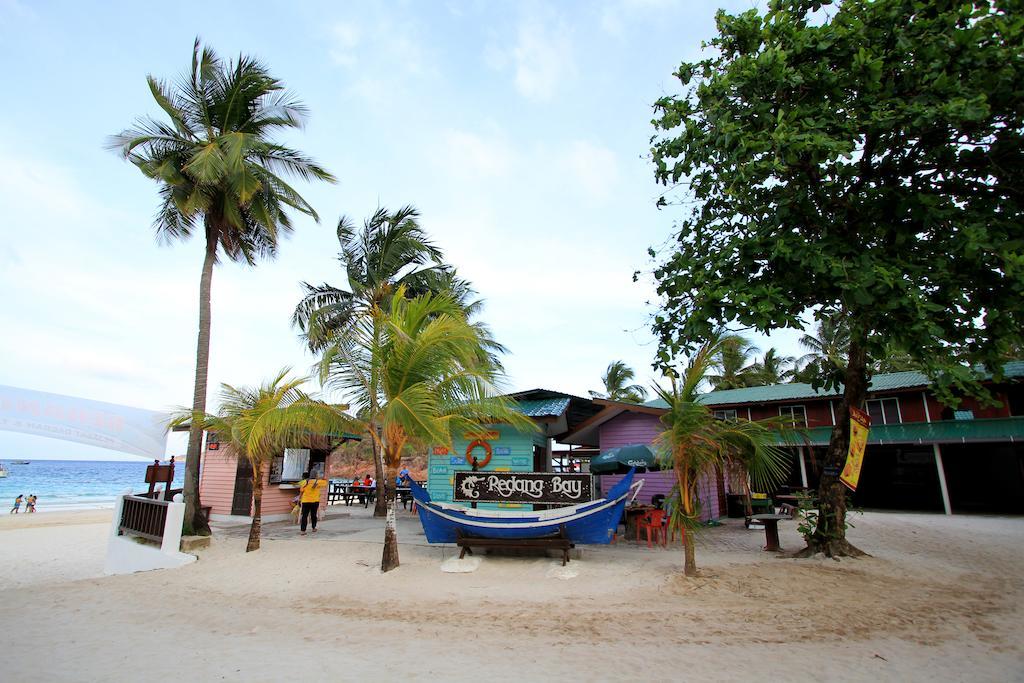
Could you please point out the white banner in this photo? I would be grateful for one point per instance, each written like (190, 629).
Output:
(94, 423)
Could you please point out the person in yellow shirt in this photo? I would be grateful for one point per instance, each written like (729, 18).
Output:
(309, 498)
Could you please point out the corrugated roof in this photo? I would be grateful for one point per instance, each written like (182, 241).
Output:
(891, 381)
(946, 431)
(544, 407)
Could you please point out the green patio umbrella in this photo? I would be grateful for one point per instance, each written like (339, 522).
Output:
(622, 458)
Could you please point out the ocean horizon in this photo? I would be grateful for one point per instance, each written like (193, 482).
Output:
(64, 485)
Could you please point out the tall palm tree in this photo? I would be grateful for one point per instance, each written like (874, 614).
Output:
(773, 368)
(259, 423)
(697, 445)
(616, 380)
(733, 361)
(828, 349)
(417, 373)
(219, 172)
(391, 251)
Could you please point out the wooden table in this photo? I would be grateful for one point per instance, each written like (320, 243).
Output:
(771, 529)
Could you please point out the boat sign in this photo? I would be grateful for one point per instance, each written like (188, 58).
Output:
(522, 487)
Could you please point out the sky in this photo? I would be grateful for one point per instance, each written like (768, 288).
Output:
(520, 130)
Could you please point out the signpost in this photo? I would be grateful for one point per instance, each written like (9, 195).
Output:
(522, 487)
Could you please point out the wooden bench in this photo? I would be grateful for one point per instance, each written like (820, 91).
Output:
(557, 541)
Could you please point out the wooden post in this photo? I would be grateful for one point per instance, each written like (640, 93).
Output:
(942, 478)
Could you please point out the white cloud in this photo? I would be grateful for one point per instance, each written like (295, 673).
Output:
(345, 41)
(473, 155)
(594, 167)
(543, 57)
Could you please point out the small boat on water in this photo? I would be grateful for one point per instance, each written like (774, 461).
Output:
(3, 471)
(593, 522)
(20, 462)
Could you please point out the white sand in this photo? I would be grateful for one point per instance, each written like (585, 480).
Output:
(942, 599)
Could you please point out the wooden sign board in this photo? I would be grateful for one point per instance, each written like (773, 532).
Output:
(522, 487)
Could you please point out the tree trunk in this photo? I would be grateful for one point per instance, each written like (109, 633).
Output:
(257, 507)
(690, 565)
(686, 503)
(389, 559)
(830, 535)
(380, 505)
(195, 521)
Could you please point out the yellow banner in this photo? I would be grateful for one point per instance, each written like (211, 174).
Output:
(860, 423)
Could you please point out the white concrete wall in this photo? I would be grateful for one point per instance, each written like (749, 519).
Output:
(127, 554)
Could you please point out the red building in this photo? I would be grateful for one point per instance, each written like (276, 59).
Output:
(921, 454)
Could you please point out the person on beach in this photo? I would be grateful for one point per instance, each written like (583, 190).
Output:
(17, 504)
(309, 494)
(30, 504)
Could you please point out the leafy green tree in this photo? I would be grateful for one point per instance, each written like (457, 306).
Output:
(616, 380)
(219, 173)
(696, 444)
(866, 162)
(391, 252)
(733, 361)
(773, 368)
(417, 373)
(259, 423)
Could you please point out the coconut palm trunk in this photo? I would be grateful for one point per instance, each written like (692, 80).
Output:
(257, 507)
(195, 521)
(389, 558)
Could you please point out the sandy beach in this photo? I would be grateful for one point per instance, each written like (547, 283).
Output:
(941, 598)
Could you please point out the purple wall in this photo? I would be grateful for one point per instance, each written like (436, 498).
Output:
(662, 482)
(628, 428)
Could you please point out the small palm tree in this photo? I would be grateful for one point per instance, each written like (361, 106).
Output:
(417, 373)
(259, 423)
(732, 360)
(696, 444)
(773, 368)
(219, 174)
(616, 380)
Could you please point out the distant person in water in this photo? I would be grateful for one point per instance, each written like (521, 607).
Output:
(17, 504)
(30, 504)
(309, 494)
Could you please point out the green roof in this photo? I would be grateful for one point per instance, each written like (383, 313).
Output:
(891, 381)
(945, 431)
(547, 407)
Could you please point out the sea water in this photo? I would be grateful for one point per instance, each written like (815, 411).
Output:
(76, 484)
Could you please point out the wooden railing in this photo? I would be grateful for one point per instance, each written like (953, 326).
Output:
(143, 517)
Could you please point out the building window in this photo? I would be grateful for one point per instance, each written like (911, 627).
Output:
(884, 411)
(797, 413)
(726, 415)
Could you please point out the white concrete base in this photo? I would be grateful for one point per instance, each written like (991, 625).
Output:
(242, 519)
(126, 554)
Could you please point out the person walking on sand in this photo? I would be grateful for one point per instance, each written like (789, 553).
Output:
(309, 494)
(30, 504)
(17, 504)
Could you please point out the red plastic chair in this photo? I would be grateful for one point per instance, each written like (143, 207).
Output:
(653, 520)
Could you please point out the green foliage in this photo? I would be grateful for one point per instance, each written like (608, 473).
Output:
(616, 380)
(808, 520)
(215, 161)
(391, 250)
(773, 368)
(732, 360)
(866, 162)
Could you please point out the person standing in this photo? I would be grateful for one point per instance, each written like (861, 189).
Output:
(17, 504)
(309, 495)
(30, 504)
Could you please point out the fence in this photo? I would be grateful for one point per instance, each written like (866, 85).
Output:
(144, 517)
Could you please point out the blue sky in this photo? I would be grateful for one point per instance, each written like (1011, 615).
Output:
(520, 131)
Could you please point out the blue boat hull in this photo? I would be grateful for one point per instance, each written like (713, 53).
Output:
(591, 523)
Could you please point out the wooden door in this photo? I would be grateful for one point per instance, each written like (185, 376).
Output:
(241, 503)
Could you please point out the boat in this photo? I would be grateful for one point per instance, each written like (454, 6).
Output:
(19, 462)
(3, 471)
(593, 522)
